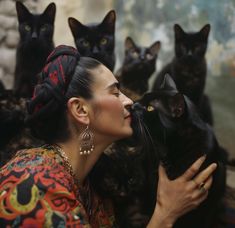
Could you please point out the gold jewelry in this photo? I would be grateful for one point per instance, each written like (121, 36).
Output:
(86, 141)
(66, 163)
(202, 187)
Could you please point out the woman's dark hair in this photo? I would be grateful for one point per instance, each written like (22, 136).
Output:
(65, 75)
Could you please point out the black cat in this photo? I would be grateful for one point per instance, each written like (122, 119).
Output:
(122, 178)
(181, 137)
(138, 66)
(96, 40)
(188, 68)
(36, 43)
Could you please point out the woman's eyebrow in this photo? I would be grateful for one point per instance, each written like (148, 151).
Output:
(114, 85)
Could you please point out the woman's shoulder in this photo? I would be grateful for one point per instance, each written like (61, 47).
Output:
(31, 158)
(37, 191)
(40, 164)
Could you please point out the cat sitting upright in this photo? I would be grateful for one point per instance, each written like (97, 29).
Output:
(96, 40)
(138, 66)
(35, 44)
(188, 68)
(181, 136)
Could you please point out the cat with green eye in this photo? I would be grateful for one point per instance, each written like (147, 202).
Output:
(96, 40)
(35, 44)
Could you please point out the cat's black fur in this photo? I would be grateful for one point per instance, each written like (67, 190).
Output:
(2, 89)
(96, 40)
(14, 133)
(122, 178)
(126, 174)
(138, 66)
(35, 44)
(188, 68)
(11, 117)
(181, 137)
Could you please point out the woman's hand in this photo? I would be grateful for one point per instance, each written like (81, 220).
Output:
(179, 196)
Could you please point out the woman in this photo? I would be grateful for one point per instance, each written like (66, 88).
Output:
(78, 110)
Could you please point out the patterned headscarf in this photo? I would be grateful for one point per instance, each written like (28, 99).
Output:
(53, 82)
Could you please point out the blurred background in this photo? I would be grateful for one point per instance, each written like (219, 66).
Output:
(146, 22)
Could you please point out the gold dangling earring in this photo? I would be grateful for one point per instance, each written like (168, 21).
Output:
(86, 140)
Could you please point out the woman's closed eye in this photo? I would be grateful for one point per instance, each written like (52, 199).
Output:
(114, 89)
(117, 93)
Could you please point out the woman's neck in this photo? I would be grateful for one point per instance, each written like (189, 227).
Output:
(81, 164)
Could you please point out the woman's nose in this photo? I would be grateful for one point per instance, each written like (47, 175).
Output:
(127, 101)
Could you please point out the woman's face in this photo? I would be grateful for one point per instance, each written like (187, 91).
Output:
(109, 117)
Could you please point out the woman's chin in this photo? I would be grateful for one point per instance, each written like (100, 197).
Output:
(128, 133)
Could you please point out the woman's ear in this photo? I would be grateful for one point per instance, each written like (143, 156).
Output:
(78, 109)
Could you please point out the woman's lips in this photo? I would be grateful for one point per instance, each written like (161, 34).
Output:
(127, 117)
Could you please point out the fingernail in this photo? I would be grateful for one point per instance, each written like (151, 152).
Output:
(214, 166)
(203, 158)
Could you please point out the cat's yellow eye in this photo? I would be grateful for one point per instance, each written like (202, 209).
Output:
(150, 108)
(43, 28)
(103, 41)
(27, 28)
(85, 43)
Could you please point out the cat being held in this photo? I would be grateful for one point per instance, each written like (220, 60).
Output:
(121, 177)
(181, 137)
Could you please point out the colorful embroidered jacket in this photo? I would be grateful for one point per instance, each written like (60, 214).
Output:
(37, 191)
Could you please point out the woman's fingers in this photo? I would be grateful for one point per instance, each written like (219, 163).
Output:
(201, 178)
(199, 200)
(162, 172)
(194, 168)
(202, 189)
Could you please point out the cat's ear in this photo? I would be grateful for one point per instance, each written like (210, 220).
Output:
(23, 13)
(205, 31)
(179, 32)
(168, 83)
(109, 21)
(177, 105)
(49, 12)
(76, 26)
(129, 43)
(155, 47)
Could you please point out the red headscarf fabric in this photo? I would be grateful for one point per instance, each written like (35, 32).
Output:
(53, 80)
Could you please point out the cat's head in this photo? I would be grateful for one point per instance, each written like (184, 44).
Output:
(140, 58)
(191, 46)
(36, 28)
(96, 40)
(167, 101)
(162, 109)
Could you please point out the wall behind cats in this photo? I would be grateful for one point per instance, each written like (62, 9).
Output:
(9, 37)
